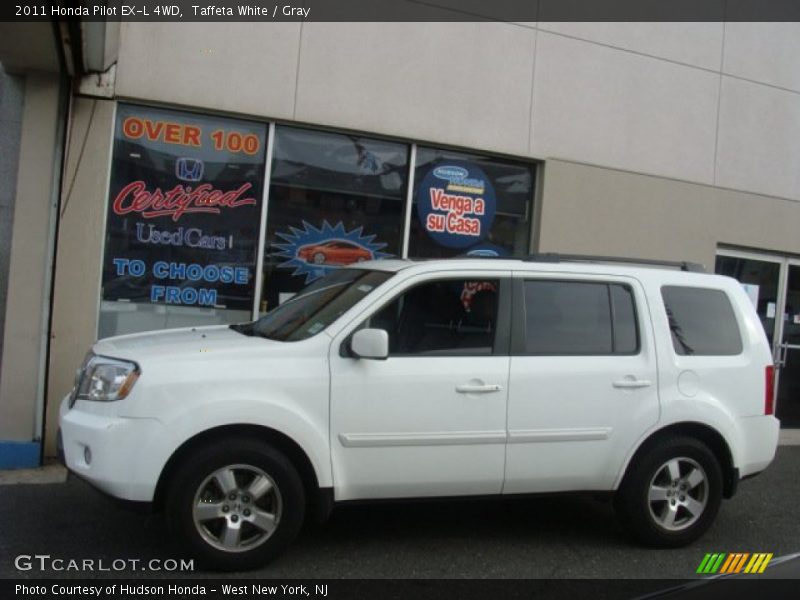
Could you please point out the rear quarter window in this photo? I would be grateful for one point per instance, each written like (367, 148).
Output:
(701, 321)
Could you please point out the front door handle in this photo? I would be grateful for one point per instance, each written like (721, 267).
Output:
(471, 388)
(632, 383)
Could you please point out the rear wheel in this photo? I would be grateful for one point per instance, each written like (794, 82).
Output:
(672, 494)
(237, 504)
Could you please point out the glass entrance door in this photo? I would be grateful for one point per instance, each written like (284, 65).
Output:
(761, 280)
(773, 284)
(788, 354)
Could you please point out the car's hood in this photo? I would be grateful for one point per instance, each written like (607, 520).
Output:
(178, 342)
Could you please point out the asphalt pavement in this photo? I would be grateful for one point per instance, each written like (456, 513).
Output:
(544, 537)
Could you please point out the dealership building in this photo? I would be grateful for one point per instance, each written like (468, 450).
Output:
(161, 175)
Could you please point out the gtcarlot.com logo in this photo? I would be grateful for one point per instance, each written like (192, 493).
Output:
(46, 562)
(735, 562)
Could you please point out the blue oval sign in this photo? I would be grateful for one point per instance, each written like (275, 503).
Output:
(456, 204)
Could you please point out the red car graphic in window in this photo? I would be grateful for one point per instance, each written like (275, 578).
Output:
(333, 252)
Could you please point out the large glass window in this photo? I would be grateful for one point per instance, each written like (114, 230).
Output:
(470, 204)
(185, 213)
(334, 200)
(183, 220)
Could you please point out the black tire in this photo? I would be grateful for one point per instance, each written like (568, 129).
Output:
(685, 513)
(250, 523)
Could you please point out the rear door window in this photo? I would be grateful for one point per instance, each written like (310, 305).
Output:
(584, 318)
(702, 321)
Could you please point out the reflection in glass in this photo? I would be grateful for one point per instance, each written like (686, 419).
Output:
(334, 200)
(764, 277)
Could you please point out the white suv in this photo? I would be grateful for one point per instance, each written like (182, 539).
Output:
(399, 379)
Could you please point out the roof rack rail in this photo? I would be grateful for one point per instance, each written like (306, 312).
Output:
(555, 257)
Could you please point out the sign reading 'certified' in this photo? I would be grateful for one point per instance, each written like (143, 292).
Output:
(184, 205)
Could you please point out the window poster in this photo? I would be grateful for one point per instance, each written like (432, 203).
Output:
(470, 205)
(184, 209)
(456, 204)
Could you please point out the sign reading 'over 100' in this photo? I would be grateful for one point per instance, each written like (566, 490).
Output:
(184, 206)
(456, 204)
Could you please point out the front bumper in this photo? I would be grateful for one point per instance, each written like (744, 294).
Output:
(117, 461)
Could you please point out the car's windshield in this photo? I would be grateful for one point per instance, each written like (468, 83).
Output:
(316, 307)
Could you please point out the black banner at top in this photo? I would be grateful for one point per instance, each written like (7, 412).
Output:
(522, 11)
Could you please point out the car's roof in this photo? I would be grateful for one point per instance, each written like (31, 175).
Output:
(629, 269)
(515, 264)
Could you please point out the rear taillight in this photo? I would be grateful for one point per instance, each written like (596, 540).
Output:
(769, 391)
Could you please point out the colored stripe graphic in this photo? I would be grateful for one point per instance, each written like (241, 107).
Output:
(758, 563)
(721, 562)
(711, 563)
(735, 562)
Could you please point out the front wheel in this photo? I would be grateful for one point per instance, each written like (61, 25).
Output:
(236, 504)
(672, 494)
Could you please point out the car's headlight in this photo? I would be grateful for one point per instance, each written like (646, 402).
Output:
(106, 379)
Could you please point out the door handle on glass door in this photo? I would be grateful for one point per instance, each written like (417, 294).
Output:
(631, 383)
(470, 388)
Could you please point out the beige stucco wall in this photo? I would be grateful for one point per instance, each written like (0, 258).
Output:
(593, 210)
(693, 128)
(714, 103)
(80, 249)
(22, 377)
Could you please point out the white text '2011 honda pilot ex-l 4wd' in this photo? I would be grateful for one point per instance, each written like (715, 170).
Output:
(399, 379)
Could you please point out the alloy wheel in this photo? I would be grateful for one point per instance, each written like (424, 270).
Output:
(237, 508)
(678, 493)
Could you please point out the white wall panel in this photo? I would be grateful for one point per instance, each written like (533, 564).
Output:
(764, 52)
(759, 139)
(238, 67)
(610, 107)
(697, 44)
(466, 84)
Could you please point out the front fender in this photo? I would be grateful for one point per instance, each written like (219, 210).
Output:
(178, 426)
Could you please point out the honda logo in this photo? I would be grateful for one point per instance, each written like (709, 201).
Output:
(189, 169)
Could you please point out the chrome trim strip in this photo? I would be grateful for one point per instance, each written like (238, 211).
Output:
(436, 438)
(526, 436)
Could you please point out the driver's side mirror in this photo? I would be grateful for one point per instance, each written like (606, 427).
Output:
(370, 343)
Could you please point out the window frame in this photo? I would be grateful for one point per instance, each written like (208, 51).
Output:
(501, 345)
(519, 335)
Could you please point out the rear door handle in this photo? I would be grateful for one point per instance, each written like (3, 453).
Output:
(632, 384)
(471, 388)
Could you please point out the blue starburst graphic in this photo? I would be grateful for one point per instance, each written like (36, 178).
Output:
(315, 252)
